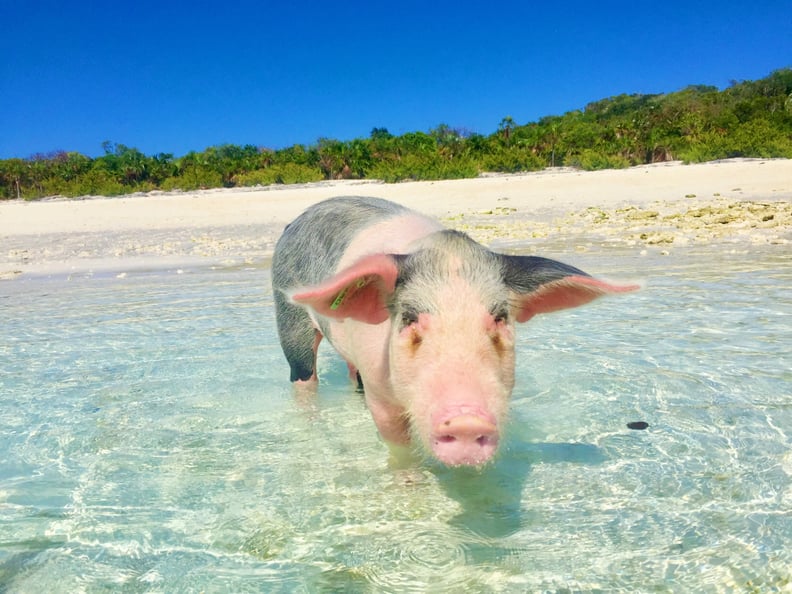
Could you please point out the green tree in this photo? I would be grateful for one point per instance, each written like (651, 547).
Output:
(12, 178)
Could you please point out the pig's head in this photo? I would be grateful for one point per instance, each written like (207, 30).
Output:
(452, 306)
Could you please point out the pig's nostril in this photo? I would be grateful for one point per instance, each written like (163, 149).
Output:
(466, 439)
(481, 440)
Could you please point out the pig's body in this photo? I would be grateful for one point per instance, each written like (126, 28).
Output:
(424, 315)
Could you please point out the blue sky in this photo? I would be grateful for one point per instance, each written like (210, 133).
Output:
(175, 76)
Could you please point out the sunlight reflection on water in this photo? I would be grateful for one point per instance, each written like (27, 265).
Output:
(152, 443)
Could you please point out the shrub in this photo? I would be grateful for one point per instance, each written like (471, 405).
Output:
(287, 173)
(420, 167)
(95, 182)
(591, 160)
(512, 160)
(194, 178)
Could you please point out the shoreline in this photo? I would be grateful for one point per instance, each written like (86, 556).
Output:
(662, 206)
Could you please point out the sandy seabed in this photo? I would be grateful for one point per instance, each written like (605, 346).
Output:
(657, 207)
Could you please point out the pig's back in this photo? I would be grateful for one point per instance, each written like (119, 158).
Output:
(336, 232)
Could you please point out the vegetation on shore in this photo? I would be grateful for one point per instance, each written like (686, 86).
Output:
(696, 124)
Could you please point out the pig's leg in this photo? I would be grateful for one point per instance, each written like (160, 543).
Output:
(299, 339)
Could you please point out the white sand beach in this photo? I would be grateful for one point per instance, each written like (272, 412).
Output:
(663, 206)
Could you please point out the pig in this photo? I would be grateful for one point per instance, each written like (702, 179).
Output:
(423, 315)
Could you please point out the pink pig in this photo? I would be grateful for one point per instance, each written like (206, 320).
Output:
(424, 317)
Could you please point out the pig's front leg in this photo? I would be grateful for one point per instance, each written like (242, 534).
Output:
(299, 338)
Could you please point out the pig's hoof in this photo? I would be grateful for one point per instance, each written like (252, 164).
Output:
(465, 440)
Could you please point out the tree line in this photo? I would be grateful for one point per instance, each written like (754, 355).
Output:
(696, 124)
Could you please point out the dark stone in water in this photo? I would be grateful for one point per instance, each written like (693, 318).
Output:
(640, 425)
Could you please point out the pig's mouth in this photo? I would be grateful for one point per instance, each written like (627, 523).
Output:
(464, 436)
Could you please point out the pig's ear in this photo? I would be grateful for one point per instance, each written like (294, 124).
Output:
(359, 292)
(542, 285)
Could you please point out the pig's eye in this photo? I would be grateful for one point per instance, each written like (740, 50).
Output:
(409, 316)
(500, 313)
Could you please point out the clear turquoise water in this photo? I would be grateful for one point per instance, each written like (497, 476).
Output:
(150, 442)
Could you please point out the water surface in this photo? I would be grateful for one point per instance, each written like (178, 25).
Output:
(151, 443)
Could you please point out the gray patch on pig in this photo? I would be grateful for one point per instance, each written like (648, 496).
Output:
(306, 254)
(525, 274)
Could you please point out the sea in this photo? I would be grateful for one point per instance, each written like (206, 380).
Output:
(150, 441)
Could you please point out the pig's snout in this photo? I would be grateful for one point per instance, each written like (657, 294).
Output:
(468, 438)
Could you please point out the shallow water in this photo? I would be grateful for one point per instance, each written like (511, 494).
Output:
(151, 442)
